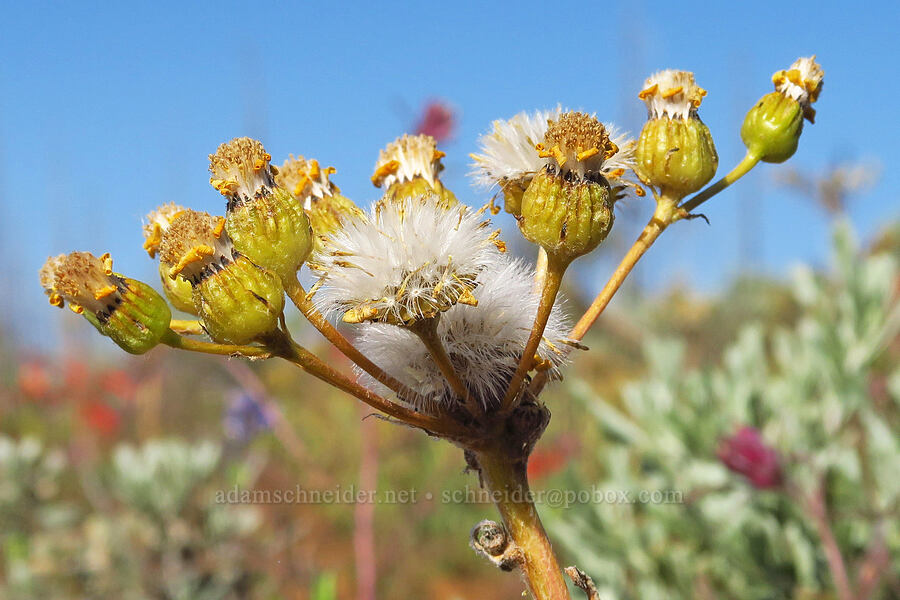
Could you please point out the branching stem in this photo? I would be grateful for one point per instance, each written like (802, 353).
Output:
(305, 305)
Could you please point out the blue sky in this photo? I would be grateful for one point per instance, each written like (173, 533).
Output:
(108, 111)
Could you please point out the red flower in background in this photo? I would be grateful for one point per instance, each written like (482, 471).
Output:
(100, 417)
(747, 454)
(34, 380)
(118, 383)
(547, 461)
(438, 120)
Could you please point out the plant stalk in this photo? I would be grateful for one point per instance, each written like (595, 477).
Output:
(748, 162)
(506, 480)
(305, 305)
(551, 284)
(306, 360)
(426, 330)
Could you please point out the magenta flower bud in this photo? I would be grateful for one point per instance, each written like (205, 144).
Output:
(747, 454)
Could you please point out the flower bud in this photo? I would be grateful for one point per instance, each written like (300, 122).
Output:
(568, 207)
(265, 222)
(772, 128)
(178, 291)
(409, 167)
(326, 208)
(747, 454)
(237, 300)
(128, 311)
(675, 151)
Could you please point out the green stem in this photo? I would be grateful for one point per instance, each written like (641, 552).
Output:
(309, 362)
(506, 480)
(298, 296)
(170, 338)
(551, 284)
(749, 161)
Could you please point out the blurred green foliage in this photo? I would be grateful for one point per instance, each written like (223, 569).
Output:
(824, 394)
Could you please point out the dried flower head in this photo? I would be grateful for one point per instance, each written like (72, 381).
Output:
(157, 222)
(410, 259)
(577, 144)
(128, 311)
(84, 281)
(407, 158)
(306, 180)
(241, 170)
(803, 82)
(484, 342)
(195, 244)
(672, 93)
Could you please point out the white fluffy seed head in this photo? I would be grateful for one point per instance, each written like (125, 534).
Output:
(409, 259)
(508, 151)
(484, 342)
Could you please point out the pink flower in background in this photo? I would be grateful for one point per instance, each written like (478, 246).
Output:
(438, 120)
(747, 454)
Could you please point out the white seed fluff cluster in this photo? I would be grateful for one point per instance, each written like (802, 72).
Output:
(508, 151)
(408, 259)
(484, 342)
(672, 93)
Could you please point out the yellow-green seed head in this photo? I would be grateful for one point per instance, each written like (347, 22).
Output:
(675, 151)
(322, 200)
(237, 301)
(240, 303)
(127, 311)
(567, 208)
(409, 167)
(178, 291)
(266, 222)
(512, 196)
(772, 128)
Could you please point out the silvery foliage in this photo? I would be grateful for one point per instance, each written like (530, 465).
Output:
(150, 528)
(809, 390)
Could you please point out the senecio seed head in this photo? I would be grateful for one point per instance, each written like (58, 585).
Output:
(237, 300)
(322, 200)
(675, 151)
(772, 128)
(265, 221)
(128, 311)
(508, 157)
(178, 291)
(484, 342)
(409, 167)
(567, 208)
(409, 260)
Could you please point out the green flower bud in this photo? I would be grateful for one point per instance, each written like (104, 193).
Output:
(675, 151)
(128, 311)
(265, 222)
(409, 167)
(178, 291)
(237, 300)
(772, 128)
(239, 303)
(568, 207)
